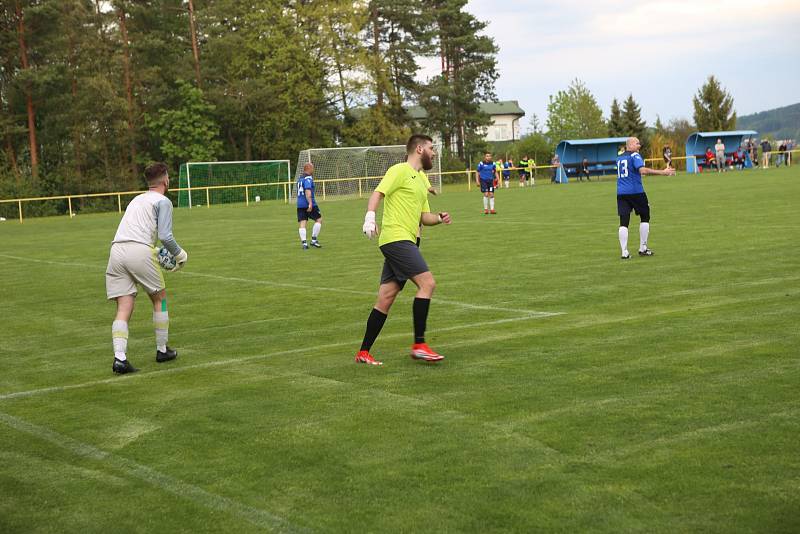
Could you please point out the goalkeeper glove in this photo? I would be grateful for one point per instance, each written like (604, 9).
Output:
(180, 259)
(370, 228)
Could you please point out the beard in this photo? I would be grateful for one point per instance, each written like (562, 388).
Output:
(427, 161)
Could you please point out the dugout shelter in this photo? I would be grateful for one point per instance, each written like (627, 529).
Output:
(697, 143)
(601, 153)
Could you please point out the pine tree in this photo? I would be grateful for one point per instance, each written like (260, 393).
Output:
(615, 128)
(632, 123)
(713, 108)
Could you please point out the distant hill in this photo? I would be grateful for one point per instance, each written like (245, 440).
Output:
(781, 123)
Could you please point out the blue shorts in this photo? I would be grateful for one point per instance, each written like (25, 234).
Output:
(303, 215)
(487, 186)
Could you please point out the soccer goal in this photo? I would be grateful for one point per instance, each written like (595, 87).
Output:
(356, 171)
(223, 182)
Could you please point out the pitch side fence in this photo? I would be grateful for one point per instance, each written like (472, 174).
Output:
(362, 187)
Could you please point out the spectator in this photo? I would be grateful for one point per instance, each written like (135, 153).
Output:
(738, 158)
(556, 163)
(752, 151)
(583, 170)
(766, 148)
(719, 148)
(709, 159)
(789, 148)
(667, 153)
(781, 153)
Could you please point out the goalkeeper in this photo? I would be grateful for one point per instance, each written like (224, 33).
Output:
(405, 189)
(133, 261)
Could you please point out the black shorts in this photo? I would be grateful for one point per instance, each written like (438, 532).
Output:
(303, 215)
(487, 186)
(636, 202)
(402, 262)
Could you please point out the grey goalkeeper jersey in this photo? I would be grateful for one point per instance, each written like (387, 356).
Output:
(148, 218)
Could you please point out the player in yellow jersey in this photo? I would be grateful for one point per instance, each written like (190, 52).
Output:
(404, 189)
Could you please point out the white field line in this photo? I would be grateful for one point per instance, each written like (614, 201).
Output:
(218, 363)
(306, 287)
(177, 487)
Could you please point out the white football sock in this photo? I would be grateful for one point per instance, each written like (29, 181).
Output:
(491, 203)
(315, 231)
(623, 239)
(161, 324)
(644, 231)
(485, 202)
(119, 339)
(302, 234)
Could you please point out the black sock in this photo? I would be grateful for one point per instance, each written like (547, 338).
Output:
(420, 308)
(374, 325)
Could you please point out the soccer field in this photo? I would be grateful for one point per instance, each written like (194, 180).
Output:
(579, 392)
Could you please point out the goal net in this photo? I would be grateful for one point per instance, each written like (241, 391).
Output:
(223, 182)
(356, 171)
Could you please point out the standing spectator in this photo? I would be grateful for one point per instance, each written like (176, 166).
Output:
(766, 148)
(789, 148)
(667, 153)
(719, 148)
(556, 163)
(781, 153)
(583, 170)
(752, 151)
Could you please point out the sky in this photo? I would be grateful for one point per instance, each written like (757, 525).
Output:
(660, 51)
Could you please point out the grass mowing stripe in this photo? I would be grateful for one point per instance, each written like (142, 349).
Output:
(179, 488)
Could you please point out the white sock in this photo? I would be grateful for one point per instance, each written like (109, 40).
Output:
(485, 202)
(119, 339)
(506, 185)
(491, 203)
(302, 234)
(623, 239)
(161, 324)
(315, 231)
(644, 231)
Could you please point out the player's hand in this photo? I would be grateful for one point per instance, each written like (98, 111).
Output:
(309, 209)
(670, 171)
(180, 260)
(432, 191)
(370, 228)
(444, 217)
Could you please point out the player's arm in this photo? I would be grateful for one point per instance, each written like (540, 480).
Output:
(308, 199)
(370, 227)
(478, 175)
(432, 219)
(164, 223)
(669, 171)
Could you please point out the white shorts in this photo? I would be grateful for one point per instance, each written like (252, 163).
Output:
(130, 264)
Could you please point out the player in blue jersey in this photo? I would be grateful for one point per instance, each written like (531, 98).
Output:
(307, 207)
(631, 195)
(486, 178)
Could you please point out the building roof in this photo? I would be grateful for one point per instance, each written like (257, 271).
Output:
(419, 113)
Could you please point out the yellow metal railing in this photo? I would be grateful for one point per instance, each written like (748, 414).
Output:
(287, 186)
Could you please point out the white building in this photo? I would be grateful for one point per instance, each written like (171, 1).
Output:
(505, 116)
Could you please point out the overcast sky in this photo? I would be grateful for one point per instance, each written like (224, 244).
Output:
(660, 51)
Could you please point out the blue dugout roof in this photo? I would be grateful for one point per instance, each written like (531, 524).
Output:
(697, 142)
(598, 151)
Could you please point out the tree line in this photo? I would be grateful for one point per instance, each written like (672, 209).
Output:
(93, 90)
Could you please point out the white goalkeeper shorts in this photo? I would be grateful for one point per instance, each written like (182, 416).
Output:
(130, 264)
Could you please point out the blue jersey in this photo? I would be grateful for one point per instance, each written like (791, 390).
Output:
(305, 183)
(506, 171)
(629, 181)
(486, 171)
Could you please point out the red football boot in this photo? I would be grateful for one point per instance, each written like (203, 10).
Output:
(364, 356)
(421, 351)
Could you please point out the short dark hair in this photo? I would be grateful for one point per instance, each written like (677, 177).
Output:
(155, 171)
(415, 140)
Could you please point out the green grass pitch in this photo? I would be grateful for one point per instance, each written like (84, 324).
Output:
(580, 392)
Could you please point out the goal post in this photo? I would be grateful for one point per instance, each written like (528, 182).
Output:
(356, 171)
(219, 176)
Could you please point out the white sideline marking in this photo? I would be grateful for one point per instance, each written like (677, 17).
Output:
(177, 487)
(218, 363)
(301, 286)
